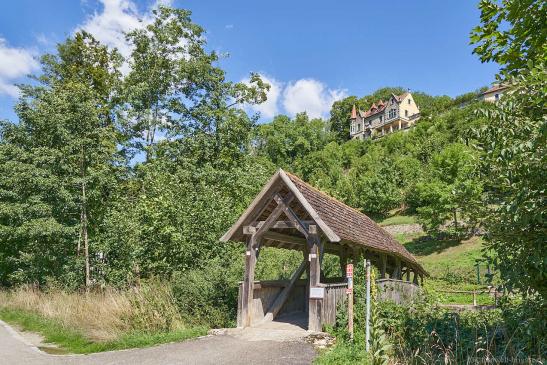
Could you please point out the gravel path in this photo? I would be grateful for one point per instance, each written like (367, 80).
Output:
(222, 349)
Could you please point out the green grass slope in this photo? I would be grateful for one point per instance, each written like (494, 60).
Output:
(451, 264)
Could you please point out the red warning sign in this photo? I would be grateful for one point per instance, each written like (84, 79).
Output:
(349, 270)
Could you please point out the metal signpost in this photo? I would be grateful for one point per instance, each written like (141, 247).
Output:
(367, 328)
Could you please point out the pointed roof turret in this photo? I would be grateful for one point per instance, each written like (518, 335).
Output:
(354, 112)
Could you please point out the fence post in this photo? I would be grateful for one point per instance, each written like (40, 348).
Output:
(474, 298)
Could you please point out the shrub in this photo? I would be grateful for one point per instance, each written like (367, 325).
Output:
(208, 295)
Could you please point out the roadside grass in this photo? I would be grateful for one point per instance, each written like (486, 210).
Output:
(398, 219)
(73, 341)
(342, 354)
(102, 320)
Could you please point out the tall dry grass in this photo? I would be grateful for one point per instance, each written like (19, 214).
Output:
(104, 315)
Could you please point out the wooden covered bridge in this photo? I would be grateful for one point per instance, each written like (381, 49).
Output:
(291, 214)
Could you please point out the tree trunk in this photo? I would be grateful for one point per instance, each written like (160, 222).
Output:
(455, 220)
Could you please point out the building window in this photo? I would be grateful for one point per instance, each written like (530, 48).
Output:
(406, 113)
(408, 101)
(359, 127)
(381, 118)
(497, 96)
(392, 113)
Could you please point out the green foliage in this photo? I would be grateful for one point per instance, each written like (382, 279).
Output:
(452, 190)
(512, 33)
(426, 334)
(286, 142)
(174, 86)
(514, 165)
(66, 143)
(209, 295)
(344, 354)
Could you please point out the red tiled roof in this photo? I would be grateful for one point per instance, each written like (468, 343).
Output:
(381, 106)
(494, 88)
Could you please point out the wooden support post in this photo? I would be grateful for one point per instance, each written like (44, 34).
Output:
(421, 280)
(415, 281)
(306, 253)
(343, 261)
(397, 269)
(248, 281)
(384, 266)
(314, 311)
(408, 274)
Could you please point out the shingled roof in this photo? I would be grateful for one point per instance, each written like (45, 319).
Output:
(339, 222)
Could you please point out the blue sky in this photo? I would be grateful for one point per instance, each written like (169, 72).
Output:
(311, 52)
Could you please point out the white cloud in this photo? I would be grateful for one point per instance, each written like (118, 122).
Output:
(15, 63)
(311, 96)
(229, 26)
(269, 108)
(117, 18)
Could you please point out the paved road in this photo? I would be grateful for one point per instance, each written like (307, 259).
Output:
(222, 349)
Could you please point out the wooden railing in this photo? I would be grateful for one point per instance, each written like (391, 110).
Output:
(265, 292)
(398, 291)
(489, 290)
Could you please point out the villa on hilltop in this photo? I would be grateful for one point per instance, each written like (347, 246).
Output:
(398, 113)
(494, 93)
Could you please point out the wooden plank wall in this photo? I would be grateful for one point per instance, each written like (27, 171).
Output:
(335, 294)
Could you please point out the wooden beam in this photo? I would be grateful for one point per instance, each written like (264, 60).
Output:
(306, 253)
(314, 312)
(248, 280)
(343, 261)
(282, 224)
(276, 236)
(282, 297)
(259, 203)
(397, 269)
(292, 216)
(333, 237)
(281, 204)
(383, 267)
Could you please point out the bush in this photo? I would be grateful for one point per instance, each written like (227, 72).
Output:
(424, 333)
(208, 295)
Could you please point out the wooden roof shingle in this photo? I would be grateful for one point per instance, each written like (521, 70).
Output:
(338, 221)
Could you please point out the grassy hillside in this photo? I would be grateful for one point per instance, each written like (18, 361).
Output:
(451, 262)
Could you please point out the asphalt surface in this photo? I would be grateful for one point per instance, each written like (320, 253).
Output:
(221, 349)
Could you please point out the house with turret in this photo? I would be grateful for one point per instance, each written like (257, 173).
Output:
(399, 112)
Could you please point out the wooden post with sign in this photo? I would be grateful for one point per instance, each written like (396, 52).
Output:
(315, 298)
(349, 291)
